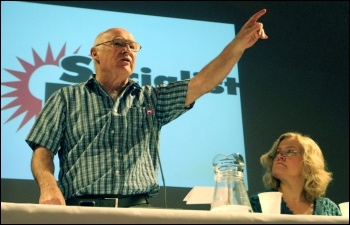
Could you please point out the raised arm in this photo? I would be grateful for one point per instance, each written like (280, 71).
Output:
(216, 71)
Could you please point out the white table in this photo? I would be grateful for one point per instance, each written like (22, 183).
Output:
(16, 213)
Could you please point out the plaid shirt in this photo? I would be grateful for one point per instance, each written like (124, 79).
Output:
(107, 147)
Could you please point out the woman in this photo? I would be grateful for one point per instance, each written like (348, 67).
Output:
(295, 166)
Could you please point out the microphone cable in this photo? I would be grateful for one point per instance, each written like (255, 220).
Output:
(149, 114)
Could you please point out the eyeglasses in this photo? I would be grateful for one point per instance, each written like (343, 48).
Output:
(285, 153)
(121, 43)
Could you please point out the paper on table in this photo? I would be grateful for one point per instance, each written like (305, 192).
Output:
(200, 195)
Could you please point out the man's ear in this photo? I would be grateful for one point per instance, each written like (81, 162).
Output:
(93, 53)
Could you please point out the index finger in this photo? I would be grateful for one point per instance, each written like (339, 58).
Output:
(255, 17)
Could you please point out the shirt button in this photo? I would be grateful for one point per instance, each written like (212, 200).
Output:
(112, 131)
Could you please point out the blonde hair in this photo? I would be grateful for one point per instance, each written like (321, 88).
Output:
(314, 171)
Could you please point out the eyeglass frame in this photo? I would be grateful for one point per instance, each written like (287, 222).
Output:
(286, 153)
(126, 42)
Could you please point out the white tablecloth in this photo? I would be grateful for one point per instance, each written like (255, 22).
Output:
(15, 213)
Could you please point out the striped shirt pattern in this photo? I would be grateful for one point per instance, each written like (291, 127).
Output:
(107, 147)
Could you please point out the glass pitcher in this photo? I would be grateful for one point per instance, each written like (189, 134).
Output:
(230, 194)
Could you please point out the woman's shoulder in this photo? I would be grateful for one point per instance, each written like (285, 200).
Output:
(325, 201)
(325, 206)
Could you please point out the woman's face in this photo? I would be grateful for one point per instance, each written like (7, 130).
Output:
(288, 164)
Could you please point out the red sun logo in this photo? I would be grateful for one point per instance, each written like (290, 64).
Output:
(23, 99)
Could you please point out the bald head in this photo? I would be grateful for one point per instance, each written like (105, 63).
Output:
(112, 33)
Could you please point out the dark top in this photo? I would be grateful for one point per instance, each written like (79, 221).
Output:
(322, 206)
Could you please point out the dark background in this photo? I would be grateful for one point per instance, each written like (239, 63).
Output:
(297, 80)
